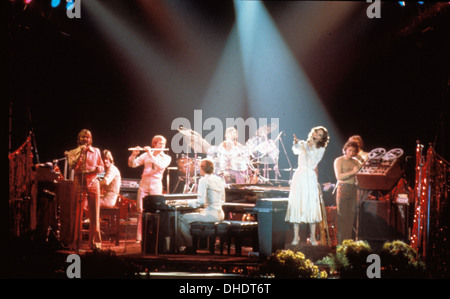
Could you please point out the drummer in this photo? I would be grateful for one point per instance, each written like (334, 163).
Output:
(231, 137)
(234, 159)
(236, 155)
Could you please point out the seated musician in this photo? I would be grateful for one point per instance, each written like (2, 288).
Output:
(211, 197)
(231, 137)
(110, 185)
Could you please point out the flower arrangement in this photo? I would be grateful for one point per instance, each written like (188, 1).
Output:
(397, 260)
(400, 260)
(349, 260)
(290, 264)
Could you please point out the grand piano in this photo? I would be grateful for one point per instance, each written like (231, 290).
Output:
(163, 210)
(242, 198)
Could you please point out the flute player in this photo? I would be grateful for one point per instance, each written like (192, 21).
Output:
(155, 163)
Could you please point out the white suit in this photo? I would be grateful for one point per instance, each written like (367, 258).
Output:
(211, 195)
(151, 180)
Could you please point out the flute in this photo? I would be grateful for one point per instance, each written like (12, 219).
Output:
(138, 148)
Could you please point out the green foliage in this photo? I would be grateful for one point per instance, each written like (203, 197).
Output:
(290, 264)
(349, 260)
(399, 260)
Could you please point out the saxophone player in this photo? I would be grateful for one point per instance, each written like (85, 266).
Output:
(86, 161)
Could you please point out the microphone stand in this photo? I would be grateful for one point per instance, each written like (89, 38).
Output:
(287, 157)
(187, 168)
(56, 161)
(79, 208)
(194, 186)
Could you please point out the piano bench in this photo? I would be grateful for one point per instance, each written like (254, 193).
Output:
(223, 232)
(110, 223)
(203, 229)
(242, 230)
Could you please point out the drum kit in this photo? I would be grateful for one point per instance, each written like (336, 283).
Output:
(238, 164)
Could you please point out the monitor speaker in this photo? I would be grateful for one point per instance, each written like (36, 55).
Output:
(150, 233)
(383, 221)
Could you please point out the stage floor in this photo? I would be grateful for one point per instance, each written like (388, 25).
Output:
(131, 249)
(34, 257)
(201, 265)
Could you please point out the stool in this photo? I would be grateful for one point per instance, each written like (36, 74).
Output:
(223, 232)
(109, 223)
(241, 230)
(203, 229)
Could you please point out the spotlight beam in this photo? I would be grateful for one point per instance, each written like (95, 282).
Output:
(276, 85)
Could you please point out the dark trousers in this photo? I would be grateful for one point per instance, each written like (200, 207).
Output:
(346, 210)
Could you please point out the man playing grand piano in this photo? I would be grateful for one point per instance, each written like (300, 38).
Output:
(211, 197)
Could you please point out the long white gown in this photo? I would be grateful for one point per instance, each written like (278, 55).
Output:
(304, 203)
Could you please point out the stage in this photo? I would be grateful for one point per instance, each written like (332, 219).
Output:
(41, 259)
(190, 70)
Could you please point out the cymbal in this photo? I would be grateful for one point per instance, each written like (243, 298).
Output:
(266, 130)
(195, 141)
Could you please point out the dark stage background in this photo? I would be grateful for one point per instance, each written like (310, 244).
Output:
(127, 70)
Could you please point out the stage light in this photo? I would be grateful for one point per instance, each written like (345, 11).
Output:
(273, 78)
(28, 1)
(276, 85)
(402, 3)
(141, 62)
(55, 3)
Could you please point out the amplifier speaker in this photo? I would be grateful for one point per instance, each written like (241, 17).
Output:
(129, 188)
(379, 176)
(383, 221)
(129, 194)
(150, 233)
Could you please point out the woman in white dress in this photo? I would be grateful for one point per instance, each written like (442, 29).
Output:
(304, 202)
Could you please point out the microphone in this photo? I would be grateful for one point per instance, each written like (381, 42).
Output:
(278, 137)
